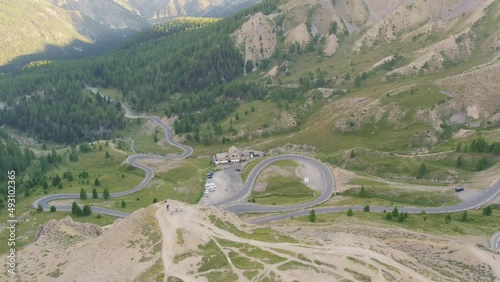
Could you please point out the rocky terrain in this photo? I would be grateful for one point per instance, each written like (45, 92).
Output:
(198, 243)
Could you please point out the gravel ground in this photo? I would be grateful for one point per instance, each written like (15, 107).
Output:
(229, 182)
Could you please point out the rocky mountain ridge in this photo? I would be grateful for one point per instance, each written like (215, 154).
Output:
(197, 243)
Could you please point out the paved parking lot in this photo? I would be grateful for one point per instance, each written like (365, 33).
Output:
(229, 179)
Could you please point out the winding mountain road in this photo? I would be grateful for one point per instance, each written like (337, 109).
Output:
(133, 160)
(237, 202)
(495, 243)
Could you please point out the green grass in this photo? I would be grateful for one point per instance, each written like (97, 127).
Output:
(244, 263)
(249, 167)
(265, 234)
(112, 172)
(155, 273)
(180, 237)
(440, 168)
(295, 265)
(281, 190)
(366, 182)
(477, 225)
(180, 257)
(286, 164)
(183, 183)
(143, 137)
(404, 197)
(213, 257)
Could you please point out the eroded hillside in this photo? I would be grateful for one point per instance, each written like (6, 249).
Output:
(208, 244)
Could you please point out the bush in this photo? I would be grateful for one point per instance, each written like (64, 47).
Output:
(350, 212)
(488, 210)
(52, 209)
(401, 217)
(312, 216)
(366, 208)
(40, 208)
(388, 216)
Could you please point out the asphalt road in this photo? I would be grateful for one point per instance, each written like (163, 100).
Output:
(237, 203)
(495, 243)
(488, 195)
(133, 160)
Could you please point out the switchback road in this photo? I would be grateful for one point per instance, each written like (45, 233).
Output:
(237, 202)
(133, 160)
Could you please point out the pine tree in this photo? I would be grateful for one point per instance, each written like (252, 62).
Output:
(366, 208)
(87, 210)
(73, 207)
(395, 212)
(52, 209)
(105, 194)
(83, 194)
(123, 204)
(97, 182)
(78, 211)
(106, 155)
(464, 216)
(155, 200)
(362, 192)
(40, 208)
(312, 216)
(460, 162)
(422, 170)
(401, 217)
(488, 210)
(94, 194)
(353, 154)
(447, 219)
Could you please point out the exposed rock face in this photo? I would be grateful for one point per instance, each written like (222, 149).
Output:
(256, 38)
(68, 227)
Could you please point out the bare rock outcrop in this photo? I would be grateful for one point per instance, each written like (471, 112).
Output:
(69, 227)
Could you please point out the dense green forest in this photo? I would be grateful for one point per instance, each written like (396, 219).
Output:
(13, 157)
(178, 25)
(199, 60)
(64, 115)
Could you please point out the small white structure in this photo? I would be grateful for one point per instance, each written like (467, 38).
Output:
(306, 180)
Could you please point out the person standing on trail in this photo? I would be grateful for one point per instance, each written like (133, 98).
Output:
(168, 206)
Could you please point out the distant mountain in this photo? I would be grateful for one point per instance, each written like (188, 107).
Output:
(159, 10)
(55, 29)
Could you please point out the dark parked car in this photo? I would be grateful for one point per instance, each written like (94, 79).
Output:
(459, 189)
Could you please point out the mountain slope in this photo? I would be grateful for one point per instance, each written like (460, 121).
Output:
(202, 243)
(24, 34)
(54, 29)
(155, 11)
